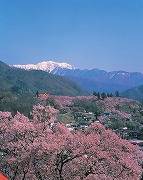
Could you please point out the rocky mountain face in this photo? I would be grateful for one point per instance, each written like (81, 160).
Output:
(91, 80)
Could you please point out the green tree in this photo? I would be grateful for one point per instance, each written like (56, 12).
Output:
(103, 95)
(111, 95)
(95, 93)
(108, 95)
(117, 94)
(37, 93)
(98, 95)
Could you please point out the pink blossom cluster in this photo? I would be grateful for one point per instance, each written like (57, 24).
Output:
(43, 114)
(110, 104)
(34, 150)
(87, 97)
(5, 115)
(63, 101)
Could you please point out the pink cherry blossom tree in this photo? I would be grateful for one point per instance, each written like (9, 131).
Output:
(36, 151)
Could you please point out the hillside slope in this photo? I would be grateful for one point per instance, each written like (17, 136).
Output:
(112, 112)
(20, 81)
(134, 93)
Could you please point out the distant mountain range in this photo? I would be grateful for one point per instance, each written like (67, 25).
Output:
(19, 81)
(91, 80)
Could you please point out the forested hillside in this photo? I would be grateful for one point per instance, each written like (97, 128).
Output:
(20, 81)
(134, 93)
(18, 88)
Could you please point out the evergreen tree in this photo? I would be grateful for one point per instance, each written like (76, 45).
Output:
(98, 95)
(103, 96)
(37, 93)
(111, 95)
(108, 95)
(117, 94)
(94, 93)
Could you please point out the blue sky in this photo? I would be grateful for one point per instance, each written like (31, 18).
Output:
(104, 34)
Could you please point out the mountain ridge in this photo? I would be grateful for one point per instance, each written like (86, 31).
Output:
(20, 81)
(94, 79)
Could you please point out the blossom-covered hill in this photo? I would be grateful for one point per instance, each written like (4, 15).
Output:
(113, 112)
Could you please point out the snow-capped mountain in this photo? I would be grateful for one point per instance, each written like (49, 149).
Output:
(49, 66)
(91, 80)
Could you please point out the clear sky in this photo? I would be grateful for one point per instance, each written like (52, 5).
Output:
(104, 34)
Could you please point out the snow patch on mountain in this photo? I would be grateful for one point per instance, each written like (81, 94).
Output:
(48, 66)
